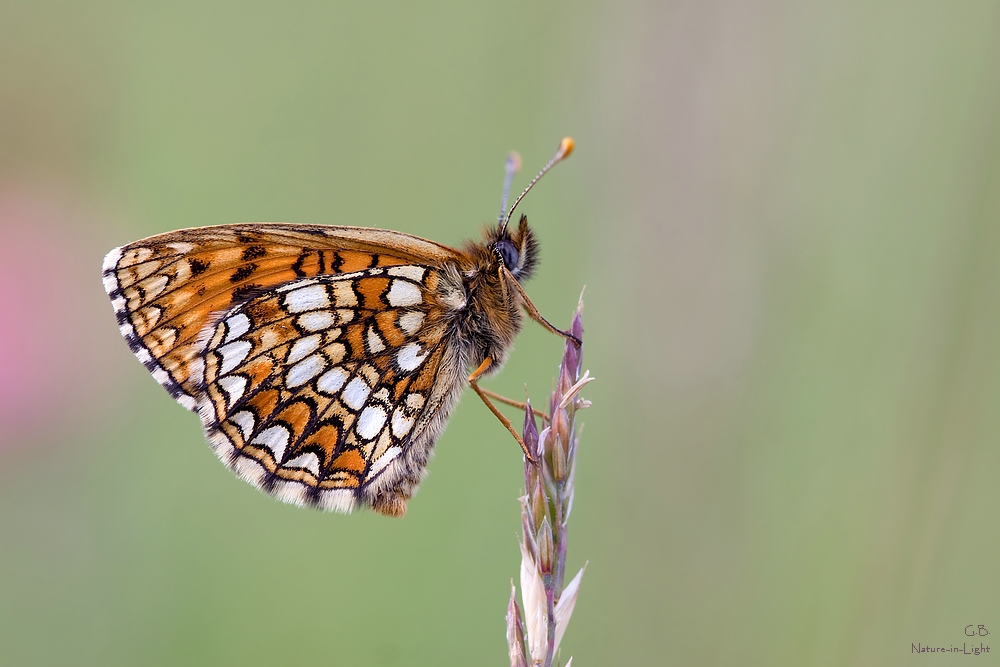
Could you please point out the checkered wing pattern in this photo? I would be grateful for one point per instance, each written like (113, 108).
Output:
(311, 354)
(313, 389)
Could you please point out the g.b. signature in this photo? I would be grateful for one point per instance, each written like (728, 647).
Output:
(976, 631)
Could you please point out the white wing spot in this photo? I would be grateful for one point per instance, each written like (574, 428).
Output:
(316, 321)
(233, 355)
(403, 293)
(410, 321)
(302, 348)
(415, 401)
(332, 380)
(415, 273)
(370, 422)
(308, 461)
(234, 386)
(274, 438)
(305, 370)
(236, 326)
(307, 298)
(356, 393)
(401, 424)
(245, 421)
(409, 357)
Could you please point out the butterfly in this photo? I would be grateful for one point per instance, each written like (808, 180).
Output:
(324, 361)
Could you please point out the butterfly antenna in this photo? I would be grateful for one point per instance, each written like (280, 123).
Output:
(512, 166)
(565, 148)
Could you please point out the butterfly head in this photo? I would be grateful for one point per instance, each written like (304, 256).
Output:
(516, 249)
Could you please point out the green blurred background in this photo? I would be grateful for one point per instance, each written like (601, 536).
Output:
(788, 221)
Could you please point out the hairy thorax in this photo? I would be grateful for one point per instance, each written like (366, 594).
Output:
(485, 315)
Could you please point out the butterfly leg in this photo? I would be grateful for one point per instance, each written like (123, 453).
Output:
(487, 362)
(533, 313)
(520, 405)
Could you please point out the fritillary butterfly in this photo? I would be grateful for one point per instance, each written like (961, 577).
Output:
(324, 361)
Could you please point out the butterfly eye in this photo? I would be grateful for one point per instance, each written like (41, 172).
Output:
(508, 253)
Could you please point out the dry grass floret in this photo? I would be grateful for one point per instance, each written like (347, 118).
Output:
(533, 639)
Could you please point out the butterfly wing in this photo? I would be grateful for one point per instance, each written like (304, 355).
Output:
(317, 357)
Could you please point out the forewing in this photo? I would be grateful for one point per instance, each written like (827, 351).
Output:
(311, 390)
(167, 289)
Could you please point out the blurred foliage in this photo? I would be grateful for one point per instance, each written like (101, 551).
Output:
(786, 217)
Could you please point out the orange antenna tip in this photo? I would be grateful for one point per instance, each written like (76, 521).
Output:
(566, 147)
